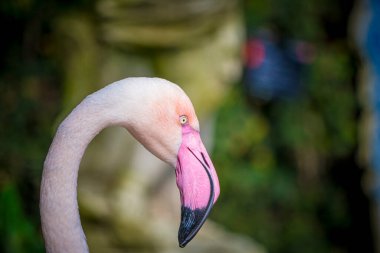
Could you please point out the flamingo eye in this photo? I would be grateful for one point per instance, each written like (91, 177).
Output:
(183, 119)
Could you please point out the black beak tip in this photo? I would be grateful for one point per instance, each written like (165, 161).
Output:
(191, 222)
(184, 238)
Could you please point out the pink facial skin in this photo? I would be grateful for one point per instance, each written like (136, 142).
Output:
(197, 182)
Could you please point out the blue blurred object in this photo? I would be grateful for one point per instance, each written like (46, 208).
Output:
(373, 36)
(372, 49)
(273, 68)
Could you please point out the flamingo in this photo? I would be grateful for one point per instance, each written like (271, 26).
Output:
(161, 117)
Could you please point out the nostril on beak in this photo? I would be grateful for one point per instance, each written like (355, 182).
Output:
(204, 159)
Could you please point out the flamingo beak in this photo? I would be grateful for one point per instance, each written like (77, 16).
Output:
(197, 182)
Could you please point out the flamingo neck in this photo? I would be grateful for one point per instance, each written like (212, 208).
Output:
(60, 219)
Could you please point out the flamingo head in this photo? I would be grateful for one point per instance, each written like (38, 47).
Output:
(165, 123)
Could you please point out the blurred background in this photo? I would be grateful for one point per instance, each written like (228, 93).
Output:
(287, 93)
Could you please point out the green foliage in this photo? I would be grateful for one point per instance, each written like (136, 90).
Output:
(29, 103)
(272, 160)
(25, 137)
(17, 232)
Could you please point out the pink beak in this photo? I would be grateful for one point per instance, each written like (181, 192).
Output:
(197, 182)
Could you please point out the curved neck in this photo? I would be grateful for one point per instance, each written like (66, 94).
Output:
(60, 219)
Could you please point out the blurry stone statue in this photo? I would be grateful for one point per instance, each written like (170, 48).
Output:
(196, 44)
